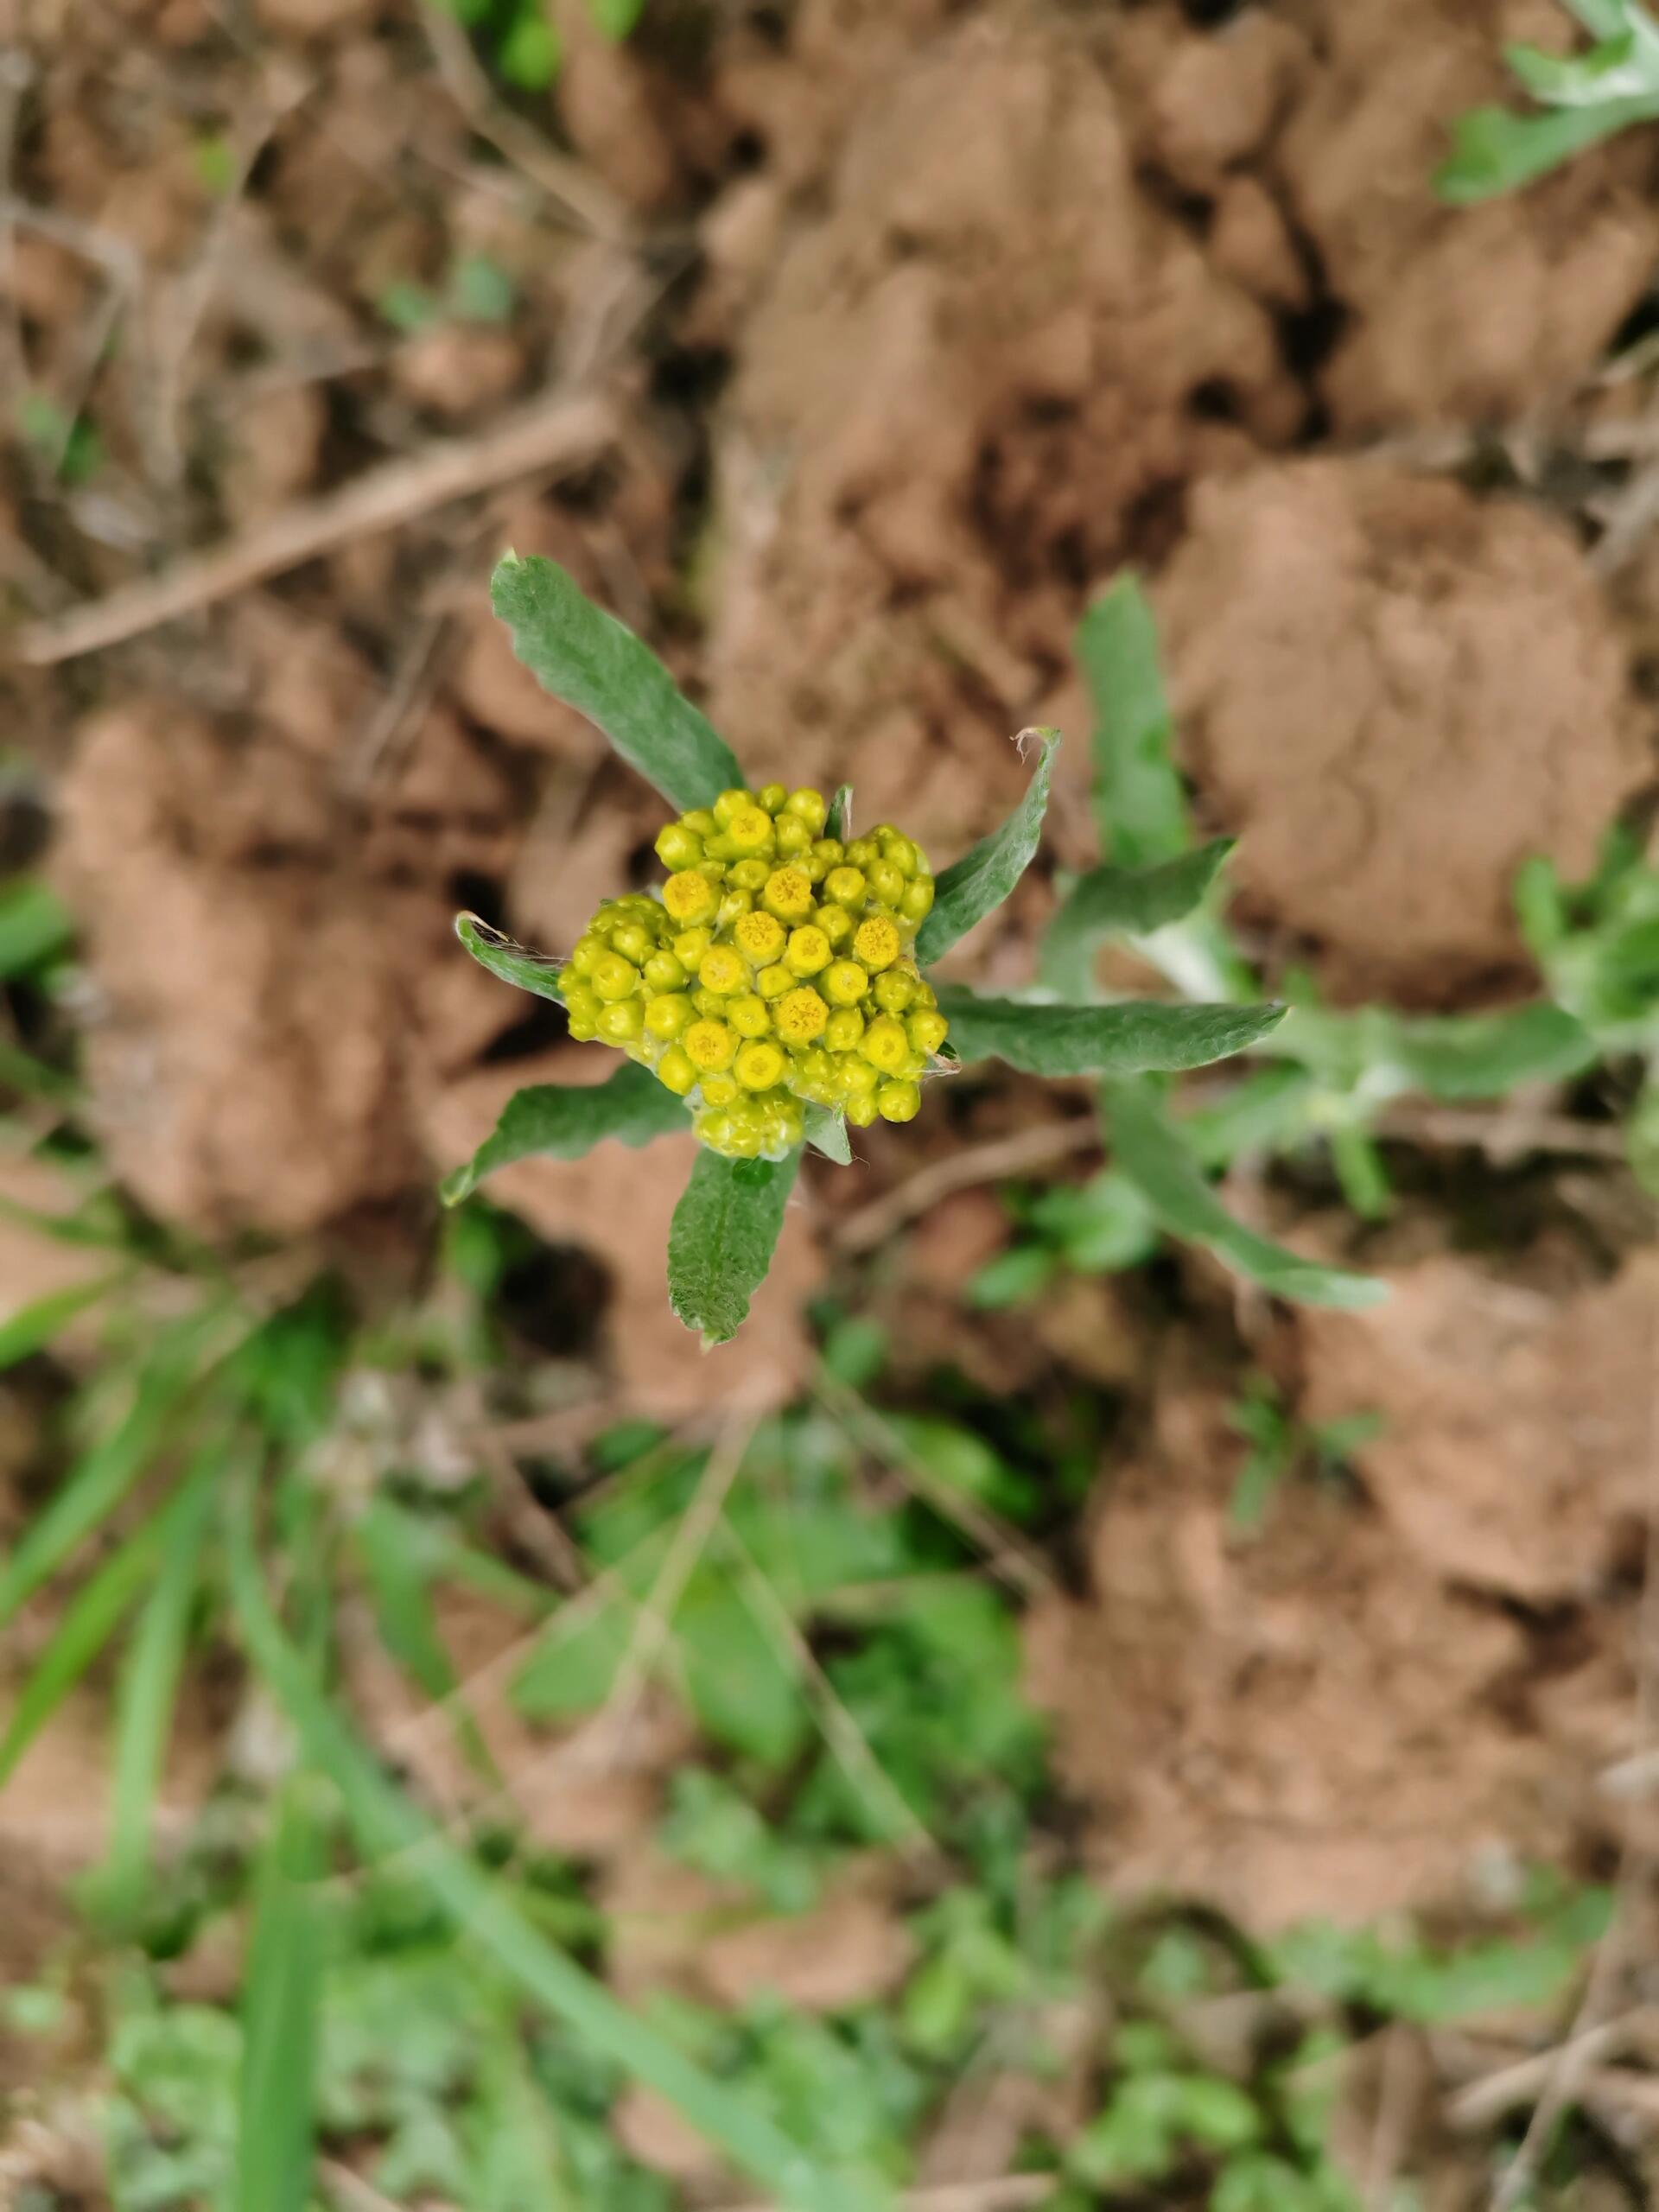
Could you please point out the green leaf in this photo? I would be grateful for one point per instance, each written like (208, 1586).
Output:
(1485, 1055)
(616, 18)
(562, 1121)
(281, 2006)
(725, 1230)
(1124, 902)
(387, 1823)
(531, 971)
(32, 1327)
(743, 1690)
(1136, 1037)
(826, 1132)
(588, 658)
(35, 925)
(973, 887)
(1139, 805)
(1148, 1149)
(839, 821)
(150, 1681)
(1495, 151)
(83, 1627)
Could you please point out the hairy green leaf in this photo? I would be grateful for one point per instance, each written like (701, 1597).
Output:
(562, 1121)
(531, 971)
(1124, 902)
(1136, 1037)
(593, 662)
(282, 2007)
(386, 1820)
(973, 887)
(1495, 151)
(839, 822)
(1483, 1055)
(1140, 806)
(724, 1232)
(1153, 1154)
(826, 1132)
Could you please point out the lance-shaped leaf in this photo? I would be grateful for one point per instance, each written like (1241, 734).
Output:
(1137, 1036)
(531, 971)
(1139, 805)
(1485, 1055)
(565, 1120)
(596, 665)
(972, 886)
(724, 1233)
(839, 823)
(1494, 151)
(826, 1132)
(1124, 902)
(1148, 1149)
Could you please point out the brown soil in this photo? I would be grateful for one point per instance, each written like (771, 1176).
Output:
(1393, 692)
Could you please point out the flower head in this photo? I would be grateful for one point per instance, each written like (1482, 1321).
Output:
(775, 971)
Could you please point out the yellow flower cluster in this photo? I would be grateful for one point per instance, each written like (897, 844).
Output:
(776, 969)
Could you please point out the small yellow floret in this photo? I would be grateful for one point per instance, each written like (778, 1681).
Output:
(689, 897)
(759, 1066)
(722, 969)
(788, 894)
(808, 952)
(710, 1043)
(758, 937)
(801, 1016)
(876, 943)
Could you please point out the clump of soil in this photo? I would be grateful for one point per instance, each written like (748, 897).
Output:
(1316, 1723)
(966, 389)
(1394, 692)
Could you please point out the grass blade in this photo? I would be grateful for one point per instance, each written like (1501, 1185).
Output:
(1153, 1155)
(724, 1232)
(386, 1820)
(32, 1327)
(84, 1626)
(149, 1682)
(976, 884)
(561, 1121)
(282, 2006)
(594, 663)
(1133, 1037)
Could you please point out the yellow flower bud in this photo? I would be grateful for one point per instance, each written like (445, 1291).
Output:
(621, 1023)
(589, 952)
(728, 803)
(689, 947)
(788, 894)
(844, 1030)
(808, 952)
(758, 937)
(669, 1014)
(677, 1069)
(759, 1066)
(720, 1090)
(837, 926)
(861, 1109)
(678, 847)
(772, 983)
(846, 886)
(884, 1044)
(895, 990)
(689, 897)
(748, 875)
(711, 1046)
(749, 1015)
(700, 822)
(886, 881)
(862, 851)
(901, 852)
(917, 904)
(749, 831)
(859, 1079)
(733, 906)
(632, 941)
(582, 1004)
(664, 972)
(809, 807)
(801, 1015)
(721, 969)
(877, 943)
(927, 1031)
(613, 977)
(793, 838)
(772, 797)
(899, 1102)
(845, 983)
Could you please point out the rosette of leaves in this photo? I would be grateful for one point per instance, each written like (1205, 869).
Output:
(726, 1224)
